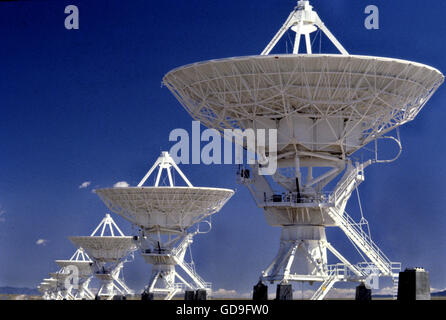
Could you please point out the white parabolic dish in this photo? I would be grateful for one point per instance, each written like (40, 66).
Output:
(84, 267)
(59, 276)
(105, 249)
(175, 208)
(318, 102)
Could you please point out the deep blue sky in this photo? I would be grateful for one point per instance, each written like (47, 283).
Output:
(87, 105)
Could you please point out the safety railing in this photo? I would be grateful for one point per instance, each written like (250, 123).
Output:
(340, 271)
(363, 241)
(184, 242)
(358, 171)
(200, 280)
(295, 198)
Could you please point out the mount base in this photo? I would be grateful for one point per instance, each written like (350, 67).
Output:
(284, 292)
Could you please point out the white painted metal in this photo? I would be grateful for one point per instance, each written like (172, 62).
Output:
(84, 266)
(50, 289)
(45, 289)
(331, 104)
(63, 288)
(108, 248)
(164, 216)
(324, 107)
(304, 21)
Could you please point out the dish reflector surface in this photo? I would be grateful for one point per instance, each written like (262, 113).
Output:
(105, 249)
(318, 103)
(175, 208)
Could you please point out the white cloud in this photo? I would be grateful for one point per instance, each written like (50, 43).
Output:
(121, 184)
(384, 291)
(224, 293)
(41, 242)
(2, 214)
(342, 293)
(230, 294)
(84, 184)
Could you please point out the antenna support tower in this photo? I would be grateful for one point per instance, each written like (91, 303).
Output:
(325, 107)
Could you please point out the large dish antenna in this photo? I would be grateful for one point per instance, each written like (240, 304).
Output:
(324, 107)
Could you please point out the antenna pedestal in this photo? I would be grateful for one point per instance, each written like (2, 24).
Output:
(111, 283)
(304, 212)
(166, 259)
(302, 251)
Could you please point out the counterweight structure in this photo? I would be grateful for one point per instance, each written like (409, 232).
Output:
(165, 215)
(109, 253)
(325, 107)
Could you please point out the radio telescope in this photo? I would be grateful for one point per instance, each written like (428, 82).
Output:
(45, 288)
(164, 216)
(49, 288)
(81, 265)
(324, 108)
(109, 255)
(63, 287)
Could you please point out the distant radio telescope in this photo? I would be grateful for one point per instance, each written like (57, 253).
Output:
(165, 215)
(108, 247)
(82, 266)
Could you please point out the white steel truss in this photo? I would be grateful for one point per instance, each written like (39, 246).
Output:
(107, 224)
(304, 21)
(166, 280)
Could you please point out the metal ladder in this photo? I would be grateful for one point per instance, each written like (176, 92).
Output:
(363, 242)
(178, 252)
(396, 280)
(323, 290)
(194, 276)
(350, 227)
